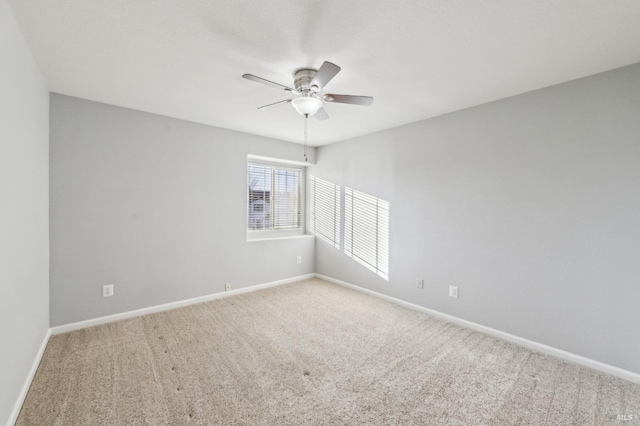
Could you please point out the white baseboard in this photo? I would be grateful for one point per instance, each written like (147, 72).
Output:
(529, 344)
(13, 417)
(172, 305)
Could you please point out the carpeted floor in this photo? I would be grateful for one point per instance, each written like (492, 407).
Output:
(310, 353)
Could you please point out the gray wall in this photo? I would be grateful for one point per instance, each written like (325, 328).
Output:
(155, 206)
(24, 211)
(531, 205)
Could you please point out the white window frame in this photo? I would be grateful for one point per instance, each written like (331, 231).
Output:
(260, 234)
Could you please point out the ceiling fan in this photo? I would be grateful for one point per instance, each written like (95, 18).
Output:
(308, 83)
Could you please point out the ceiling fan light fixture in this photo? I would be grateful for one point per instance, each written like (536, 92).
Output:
(307, 105)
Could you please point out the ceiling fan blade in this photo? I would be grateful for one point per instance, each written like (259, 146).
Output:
(348, 99)
(266, 82)
(324, 75)
(275, 103)
(321, 114)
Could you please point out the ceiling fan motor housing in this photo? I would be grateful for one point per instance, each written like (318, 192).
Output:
(302, 81)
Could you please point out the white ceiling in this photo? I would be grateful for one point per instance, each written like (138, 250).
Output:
(418, 58)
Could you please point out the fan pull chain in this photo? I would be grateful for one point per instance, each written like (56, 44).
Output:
(306, 117)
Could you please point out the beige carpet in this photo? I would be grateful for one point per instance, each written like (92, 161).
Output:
(310, 353)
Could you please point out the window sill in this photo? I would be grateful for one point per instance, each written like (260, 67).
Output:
(271, 237)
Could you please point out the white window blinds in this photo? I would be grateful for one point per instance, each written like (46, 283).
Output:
(366, 231)
(273, 197)
(324, 217)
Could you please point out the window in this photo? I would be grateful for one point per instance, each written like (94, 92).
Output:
(273, 201)
(366, 231)
(324, 203)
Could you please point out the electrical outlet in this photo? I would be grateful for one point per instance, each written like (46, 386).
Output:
(420, 283)
(227, 286)
(453, 291)
(107, 290)
(299, 260)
